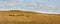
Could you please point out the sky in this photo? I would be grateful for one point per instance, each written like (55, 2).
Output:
(40, 6)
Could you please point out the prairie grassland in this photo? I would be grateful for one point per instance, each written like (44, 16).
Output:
(22, 17)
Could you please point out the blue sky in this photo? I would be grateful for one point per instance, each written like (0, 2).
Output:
(48, 6)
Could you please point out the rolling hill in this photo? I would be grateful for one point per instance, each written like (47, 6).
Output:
(27, 17)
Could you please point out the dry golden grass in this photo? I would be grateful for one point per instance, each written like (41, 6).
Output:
(25, 17)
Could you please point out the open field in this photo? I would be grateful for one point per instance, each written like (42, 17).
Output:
(25, 17)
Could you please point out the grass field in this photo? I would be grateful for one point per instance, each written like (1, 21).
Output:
(25, 17)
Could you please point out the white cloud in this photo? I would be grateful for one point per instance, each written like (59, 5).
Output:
(40, 8)
(38, 5)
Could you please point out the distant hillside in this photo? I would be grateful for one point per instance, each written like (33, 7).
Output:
(17, 16)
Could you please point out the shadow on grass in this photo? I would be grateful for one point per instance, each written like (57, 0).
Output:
(14, 22)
